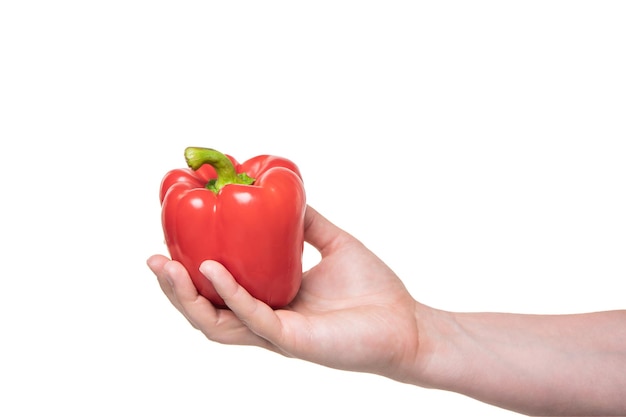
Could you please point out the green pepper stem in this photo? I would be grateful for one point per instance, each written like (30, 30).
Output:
(226, 172)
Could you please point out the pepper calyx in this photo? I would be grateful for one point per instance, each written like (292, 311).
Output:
(226, 172)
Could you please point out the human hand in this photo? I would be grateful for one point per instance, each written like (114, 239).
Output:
(352, 312)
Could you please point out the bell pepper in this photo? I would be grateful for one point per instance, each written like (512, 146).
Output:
(248, 216)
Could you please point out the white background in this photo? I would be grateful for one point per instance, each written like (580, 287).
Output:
(476, 147)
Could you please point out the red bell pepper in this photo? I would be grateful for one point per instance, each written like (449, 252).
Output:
(248, 216)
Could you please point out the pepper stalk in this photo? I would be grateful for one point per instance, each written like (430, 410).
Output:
(226, 172)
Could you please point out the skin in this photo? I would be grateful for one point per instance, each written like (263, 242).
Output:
(354, 313)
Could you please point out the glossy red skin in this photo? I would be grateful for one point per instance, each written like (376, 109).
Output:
(256, 231)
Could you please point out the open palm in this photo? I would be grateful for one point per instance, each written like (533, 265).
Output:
(352, 312)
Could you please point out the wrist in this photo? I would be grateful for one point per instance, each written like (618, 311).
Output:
(433, 366)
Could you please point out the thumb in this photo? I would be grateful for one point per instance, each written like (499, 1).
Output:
(319, 231)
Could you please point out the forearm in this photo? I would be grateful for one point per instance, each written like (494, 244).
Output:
(534, 364)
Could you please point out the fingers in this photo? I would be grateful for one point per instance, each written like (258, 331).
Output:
(319, 231)
(175, 283)
(260, 318)
(156, 263)
(219, 325)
